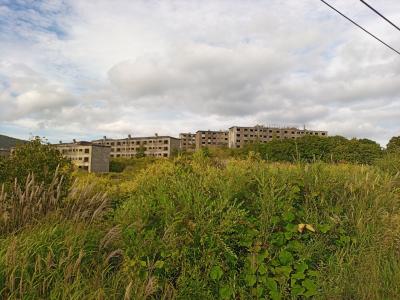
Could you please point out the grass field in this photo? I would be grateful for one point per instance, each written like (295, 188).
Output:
(206, 228)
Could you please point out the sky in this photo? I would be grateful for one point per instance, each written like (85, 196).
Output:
(88, 69)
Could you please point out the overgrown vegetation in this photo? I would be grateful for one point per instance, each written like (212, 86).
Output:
(215, 225)
(38, 159)
(314, 148)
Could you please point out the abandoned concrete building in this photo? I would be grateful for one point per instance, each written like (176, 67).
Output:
(211, 139)
(240, 136)
(156, 146)
(187, 142)
(87, 156)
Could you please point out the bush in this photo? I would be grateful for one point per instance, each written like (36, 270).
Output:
(314, 148)
(35, 158)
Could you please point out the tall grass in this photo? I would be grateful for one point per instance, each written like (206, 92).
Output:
(206, 229)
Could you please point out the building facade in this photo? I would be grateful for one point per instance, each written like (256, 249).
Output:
(211, 138)
(156, 146)
(240, 136)
(187, 142)
(87, 156)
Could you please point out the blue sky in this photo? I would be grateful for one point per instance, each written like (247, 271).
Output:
(84, 69)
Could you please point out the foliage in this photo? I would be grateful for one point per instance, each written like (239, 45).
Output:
(140, 153)
(204, 228)
(36, 158)
(394, 145)
(390, 163)
(121, 164)
(313, 148)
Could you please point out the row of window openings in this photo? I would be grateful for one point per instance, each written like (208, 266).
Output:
(212, 143)
(278, 131)
(74, 150)
(214, 133)
(85, 159)
(133, 155)
(264, 136)
(135, 149)
(214, 138)
(252, 141)
(136, 143)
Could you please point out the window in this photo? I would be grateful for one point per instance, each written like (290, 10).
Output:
(86, 150)
(86, 159)
(165, 155)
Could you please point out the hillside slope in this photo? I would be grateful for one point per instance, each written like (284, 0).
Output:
(7, 142)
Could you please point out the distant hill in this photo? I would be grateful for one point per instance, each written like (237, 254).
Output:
(7, 142)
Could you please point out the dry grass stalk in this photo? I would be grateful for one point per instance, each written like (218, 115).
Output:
(26, 204)
(128, 291)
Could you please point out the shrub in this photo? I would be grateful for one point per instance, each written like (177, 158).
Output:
(39, 159)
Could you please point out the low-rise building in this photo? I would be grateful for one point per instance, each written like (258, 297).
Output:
(156, 146)
(240, 136)
(211, 138)
(87, 156)
(187, 142)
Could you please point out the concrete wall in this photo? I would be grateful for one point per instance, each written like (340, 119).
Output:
(100, 159)
(211, 139)
(156, 146)
(240, 136)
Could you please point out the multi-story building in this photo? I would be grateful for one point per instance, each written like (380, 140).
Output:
(240, 136)
(211, 139)
(157, 146)
(187, 141)
(87, 156)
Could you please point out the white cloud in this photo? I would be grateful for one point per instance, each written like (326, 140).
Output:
(86, 68)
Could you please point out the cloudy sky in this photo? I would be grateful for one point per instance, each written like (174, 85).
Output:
(84, 69)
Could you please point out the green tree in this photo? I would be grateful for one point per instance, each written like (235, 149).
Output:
(37, 158)
(394, 145)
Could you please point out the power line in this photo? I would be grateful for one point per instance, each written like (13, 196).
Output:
(382, 16)
(362, 28)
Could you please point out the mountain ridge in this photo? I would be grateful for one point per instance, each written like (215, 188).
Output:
(7, 142)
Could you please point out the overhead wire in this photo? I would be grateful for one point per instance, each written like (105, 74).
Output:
(379, 14)
(362, 28)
